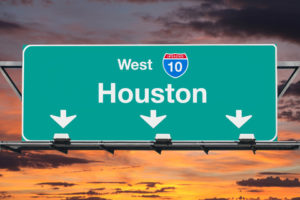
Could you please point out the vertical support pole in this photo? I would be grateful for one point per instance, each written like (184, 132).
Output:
(289, 81)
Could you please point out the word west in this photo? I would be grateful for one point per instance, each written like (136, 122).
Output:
(129, 64)
(155, 95)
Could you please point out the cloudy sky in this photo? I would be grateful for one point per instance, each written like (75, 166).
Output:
(97, 175)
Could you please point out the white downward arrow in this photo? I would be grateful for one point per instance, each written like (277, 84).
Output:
(238, 120)
(63, 120)
(153, 121)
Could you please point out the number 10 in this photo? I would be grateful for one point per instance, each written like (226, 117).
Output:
(178, 66)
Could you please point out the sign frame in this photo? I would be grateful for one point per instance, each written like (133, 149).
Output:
(116, 141)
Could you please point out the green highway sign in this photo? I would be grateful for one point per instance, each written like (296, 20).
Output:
(133, 92)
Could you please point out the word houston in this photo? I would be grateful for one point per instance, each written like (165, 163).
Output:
(155, 95)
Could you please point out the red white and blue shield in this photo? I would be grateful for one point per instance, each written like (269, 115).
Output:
(175, 64)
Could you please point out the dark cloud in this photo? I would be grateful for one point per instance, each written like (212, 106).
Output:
(119, 191)
(151, 196)
(134, 1)
(14, 162)
(5, 195)
(269, 182)
(277, 173)
(26, 2)
(49, 2)
(289, 103)
(165, 189)
(255, 191)
(294, 89)
(161, 190)
(236, 18)
(9, 26)
(273, 198)
(43, 194)
(126, 167)
(216, 199)
(83, 198)
(102, 188)
(149, 184)
(89, 193)
(108, 182)
(289, 115)
(64, 184)
(289, 108)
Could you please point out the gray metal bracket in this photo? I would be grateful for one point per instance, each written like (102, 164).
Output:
(205, 149)
(14, 65)
(295, 65)
(61, 149)
(11, 148)
(109, 150)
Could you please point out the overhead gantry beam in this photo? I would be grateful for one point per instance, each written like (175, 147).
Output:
(205, 146)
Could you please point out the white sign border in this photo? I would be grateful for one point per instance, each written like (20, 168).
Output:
(45, 45)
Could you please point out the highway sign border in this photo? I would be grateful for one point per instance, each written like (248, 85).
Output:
(45, 45)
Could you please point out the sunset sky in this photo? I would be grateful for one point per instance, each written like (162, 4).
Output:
(98, 175)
